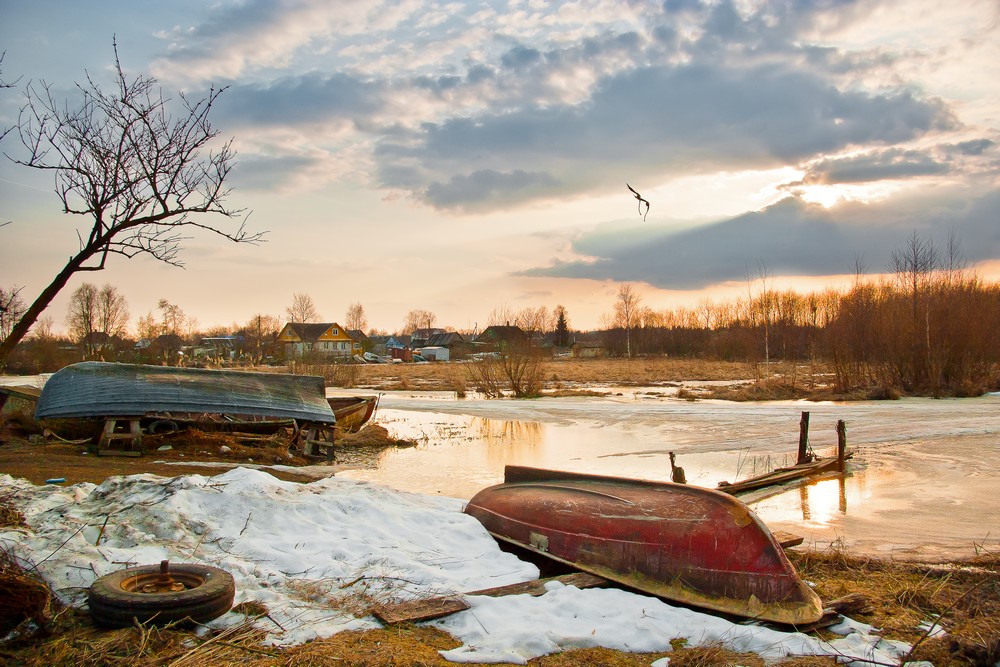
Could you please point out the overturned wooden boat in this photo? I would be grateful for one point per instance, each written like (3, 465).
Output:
(78, 399)
(683, 543)
(352, 412)
(26, 394)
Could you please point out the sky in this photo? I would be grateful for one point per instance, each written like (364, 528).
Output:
(380, 545)
(464, 157)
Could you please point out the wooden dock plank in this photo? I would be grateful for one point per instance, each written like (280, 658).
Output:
(786, 540)
(419, 610)
(780, 476)
(427, 609)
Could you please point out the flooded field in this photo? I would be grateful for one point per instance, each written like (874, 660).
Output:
(922, 483)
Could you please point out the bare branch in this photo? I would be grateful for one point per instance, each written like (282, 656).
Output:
(134, 162)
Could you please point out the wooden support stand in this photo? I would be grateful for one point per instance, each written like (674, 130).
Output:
(316, 439)
(123, 430)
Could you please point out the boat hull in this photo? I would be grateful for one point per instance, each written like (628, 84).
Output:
(352, 412)
(683, 543)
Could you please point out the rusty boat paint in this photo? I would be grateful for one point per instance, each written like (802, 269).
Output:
(683, 543)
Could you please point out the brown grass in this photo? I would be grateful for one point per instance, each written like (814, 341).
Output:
(24, 597)
(572, 373)
(964, 596)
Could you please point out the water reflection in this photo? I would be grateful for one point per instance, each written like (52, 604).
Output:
(883, 505)
(821, 501)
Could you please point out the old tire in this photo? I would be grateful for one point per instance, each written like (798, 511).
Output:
(163, 426)
(208, 593)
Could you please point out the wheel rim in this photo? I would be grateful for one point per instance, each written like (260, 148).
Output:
(163, 582)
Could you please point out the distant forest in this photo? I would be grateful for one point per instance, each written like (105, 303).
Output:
(926, 328)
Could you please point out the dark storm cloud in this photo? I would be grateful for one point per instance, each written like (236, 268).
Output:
(788, 238)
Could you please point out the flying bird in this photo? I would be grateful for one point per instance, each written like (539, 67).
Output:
(641, 202)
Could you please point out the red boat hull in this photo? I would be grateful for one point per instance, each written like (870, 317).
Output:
(683, 543)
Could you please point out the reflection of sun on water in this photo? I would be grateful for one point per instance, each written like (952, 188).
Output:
(823, 501)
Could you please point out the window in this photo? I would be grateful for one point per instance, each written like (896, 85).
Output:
(334, 332)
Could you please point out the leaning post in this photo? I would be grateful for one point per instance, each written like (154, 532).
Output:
(803, 456)
(841, 445)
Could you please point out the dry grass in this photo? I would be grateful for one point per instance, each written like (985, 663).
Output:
(374, 435)
(25, 600)
(963, 598)
(235, 447)
(559, 374)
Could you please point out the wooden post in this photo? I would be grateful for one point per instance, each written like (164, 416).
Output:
(803, 439)
(841, 445)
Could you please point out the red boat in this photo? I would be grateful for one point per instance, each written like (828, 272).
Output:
(683, 543)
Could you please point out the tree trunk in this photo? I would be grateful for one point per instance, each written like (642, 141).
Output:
(31, 315)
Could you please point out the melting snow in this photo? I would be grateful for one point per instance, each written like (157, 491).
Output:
(312, 552)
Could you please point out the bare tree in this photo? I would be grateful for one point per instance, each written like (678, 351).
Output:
(260, 332)
(516, 368)
(11, 309)
(3, 84)
(81, 317)
(502, 315)
(174, 320)
(355, 319)
(147, 327)
(112, 311)
(626, 312)
(419, 319)
(134, 163)
(302, 309)
(96, 311)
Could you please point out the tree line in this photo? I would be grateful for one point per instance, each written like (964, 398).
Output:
(928, 326)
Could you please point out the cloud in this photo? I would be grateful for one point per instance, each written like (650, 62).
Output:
(495, 109)
(246, 36)
(301, 100)
(875, 166)
(255, 172)
(664, 121)
(486, 189)
(789, 238)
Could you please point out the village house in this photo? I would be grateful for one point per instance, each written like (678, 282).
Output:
(445, 346)
(587, 349)
(500, 336)
(327, 339)
(361, 338)
(392, 346)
